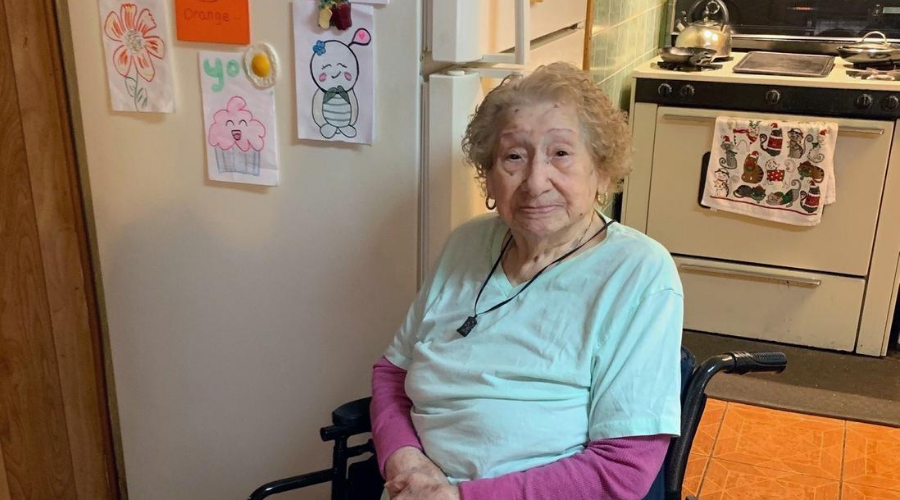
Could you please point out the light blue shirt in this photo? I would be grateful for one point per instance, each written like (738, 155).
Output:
(591, 350)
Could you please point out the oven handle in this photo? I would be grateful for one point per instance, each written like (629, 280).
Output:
(852, 130)
(752, 275)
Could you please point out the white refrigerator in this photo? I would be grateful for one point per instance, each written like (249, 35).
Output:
(237, 317)
(485, 41)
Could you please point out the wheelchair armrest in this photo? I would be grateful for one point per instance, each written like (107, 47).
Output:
(349, 419)
(354, 414)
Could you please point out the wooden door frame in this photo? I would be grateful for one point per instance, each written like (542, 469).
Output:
(63, 331)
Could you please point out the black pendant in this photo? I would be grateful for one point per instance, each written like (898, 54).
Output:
(467, 327)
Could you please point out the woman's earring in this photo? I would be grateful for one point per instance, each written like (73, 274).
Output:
(604, 200)
(487, 204)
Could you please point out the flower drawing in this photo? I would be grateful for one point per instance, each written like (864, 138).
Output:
(137, 48)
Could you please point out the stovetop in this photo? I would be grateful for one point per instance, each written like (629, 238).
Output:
(840, 93)
(838, 78)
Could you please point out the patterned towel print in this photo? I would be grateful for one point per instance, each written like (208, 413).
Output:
(781, 171)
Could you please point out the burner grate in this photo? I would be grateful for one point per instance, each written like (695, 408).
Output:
(888, 74)
(885, 66)
(686, 67)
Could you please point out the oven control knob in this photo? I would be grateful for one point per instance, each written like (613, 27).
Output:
(688, 91)
(664, 90)
(773, 97)
(890, 103)
(864, 101)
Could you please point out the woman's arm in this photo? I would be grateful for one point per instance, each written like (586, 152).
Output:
(397, 445)
(608, 469)
(392, 427)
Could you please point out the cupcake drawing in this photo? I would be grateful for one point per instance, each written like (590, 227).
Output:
(237, 138)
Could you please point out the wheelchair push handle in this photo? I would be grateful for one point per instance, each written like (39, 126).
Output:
(746, 362)
(694, 399)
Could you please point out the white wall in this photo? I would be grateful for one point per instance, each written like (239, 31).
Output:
(240, 316)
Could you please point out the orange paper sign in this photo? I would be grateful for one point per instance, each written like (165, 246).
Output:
(217, 21)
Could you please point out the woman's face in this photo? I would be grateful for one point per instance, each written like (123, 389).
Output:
(543, 178)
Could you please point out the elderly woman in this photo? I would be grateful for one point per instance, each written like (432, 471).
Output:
(541, 359)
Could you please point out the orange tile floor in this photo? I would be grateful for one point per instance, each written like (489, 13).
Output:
(747, 452)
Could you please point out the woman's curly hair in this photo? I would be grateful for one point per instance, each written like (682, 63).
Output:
(604, 127)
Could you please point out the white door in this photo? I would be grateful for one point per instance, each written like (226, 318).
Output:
(450, 194)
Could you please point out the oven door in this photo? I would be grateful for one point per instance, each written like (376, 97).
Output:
(841, 243)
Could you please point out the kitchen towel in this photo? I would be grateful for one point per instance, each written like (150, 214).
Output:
(776, 170)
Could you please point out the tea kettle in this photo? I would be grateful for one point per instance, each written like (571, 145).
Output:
(708, 33)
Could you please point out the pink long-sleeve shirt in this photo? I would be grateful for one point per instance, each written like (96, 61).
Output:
(607, 469)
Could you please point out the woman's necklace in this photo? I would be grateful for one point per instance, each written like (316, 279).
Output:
(472, 321)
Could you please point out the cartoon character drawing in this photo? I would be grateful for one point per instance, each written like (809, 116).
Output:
(815, 151)
(753, 173)
(720, 183)
(774, 173)
(751, 132)
(807, 169)
(334, 68)
(237, 138)
(795, 143)
(758, 193)
(772, 144)
(730, 158)
(787, 198)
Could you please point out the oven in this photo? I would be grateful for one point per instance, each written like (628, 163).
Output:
(830, 286)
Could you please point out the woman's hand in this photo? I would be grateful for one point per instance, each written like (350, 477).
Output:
(407, 460)
(421, 486)
(409, 469)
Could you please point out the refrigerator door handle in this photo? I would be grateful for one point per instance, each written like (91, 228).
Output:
(489, 72)
(523, 38)
(452, 26)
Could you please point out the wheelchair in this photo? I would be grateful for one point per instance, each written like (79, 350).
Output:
(362, 480)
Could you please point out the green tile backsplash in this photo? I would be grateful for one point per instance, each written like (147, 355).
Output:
(626, 33)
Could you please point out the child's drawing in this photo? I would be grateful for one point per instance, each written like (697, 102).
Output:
(239, 123)
(237, 138)
(335, 69)
(335, 76)
(137, 68)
